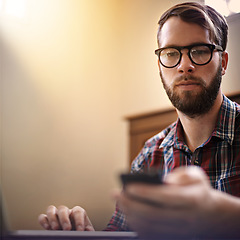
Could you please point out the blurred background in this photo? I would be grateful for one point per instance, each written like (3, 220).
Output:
(71, 71)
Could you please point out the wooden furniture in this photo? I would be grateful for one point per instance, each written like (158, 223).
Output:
(144, 126)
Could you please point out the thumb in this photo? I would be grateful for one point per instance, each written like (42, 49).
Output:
(187, 176)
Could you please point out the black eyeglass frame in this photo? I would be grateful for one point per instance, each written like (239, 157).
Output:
(212, 47)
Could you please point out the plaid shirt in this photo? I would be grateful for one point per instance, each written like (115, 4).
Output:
(219, 156)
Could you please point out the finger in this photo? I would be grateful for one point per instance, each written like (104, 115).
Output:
(171, 195)
(178, 217)
(43, 220)
(81, 220)
(159, 195)
(63, 213)
(186, 176)
(52, 218)
(115, 194)
(88, 225)
(144, 207)
(144, 218)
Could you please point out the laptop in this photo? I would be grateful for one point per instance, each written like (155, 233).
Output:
(7, 234)
(68, 235)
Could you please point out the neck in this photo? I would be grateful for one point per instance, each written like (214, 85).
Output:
(199, 128)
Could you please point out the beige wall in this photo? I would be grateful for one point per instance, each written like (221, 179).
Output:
(71, 70)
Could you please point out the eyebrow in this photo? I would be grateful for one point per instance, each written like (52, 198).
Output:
(174, 46)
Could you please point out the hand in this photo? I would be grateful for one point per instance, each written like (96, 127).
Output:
(63, 218)
(184, 207)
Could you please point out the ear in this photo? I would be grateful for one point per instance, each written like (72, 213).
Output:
(224, 62)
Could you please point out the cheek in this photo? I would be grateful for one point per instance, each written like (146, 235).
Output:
(215, 64)
(167, 76)
(211, 70)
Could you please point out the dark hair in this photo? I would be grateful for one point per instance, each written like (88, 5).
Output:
(203, 15)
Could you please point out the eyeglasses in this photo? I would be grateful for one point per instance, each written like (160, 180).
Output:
(199, 54)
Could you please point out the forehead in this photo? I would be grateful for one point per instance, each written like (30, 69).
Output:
(176, 32)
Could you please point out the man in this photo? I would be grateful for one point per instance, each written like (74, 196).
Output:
(201, 200)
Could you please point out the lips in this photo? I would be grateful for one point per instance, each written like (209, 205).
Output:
(187, 83)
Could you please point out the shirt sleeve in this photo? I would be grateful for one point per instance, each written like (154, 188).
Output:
(117, 222)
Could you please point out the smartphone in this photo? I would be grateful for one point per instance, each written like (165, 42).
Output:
(145, 177)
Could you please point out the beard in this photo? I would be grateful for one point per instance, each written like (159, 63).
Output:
(193, 103)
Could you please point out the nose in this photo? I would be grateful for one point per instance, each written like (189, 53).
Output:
(186, 65)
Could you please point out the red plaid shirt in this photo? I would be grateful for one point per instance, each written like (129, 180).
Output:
(219, 156)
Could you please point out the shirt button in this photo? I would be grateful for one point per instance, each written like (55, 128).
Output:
(196, 162)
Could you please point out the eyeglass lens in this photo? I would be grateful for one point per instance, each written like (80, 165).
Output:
(200, 55)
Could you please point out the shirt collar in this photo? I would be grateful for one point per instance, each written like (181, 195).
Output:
(224, 128)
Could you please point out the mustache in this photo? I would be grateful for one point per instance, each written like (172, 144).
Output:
(185, 78)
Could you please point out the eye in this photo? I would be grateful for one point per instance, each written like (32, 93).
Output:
(200, 51)
(172, 54)
(169, 53)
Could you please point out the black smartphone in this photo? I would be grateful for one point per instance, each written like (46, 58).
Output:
(145, 177)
